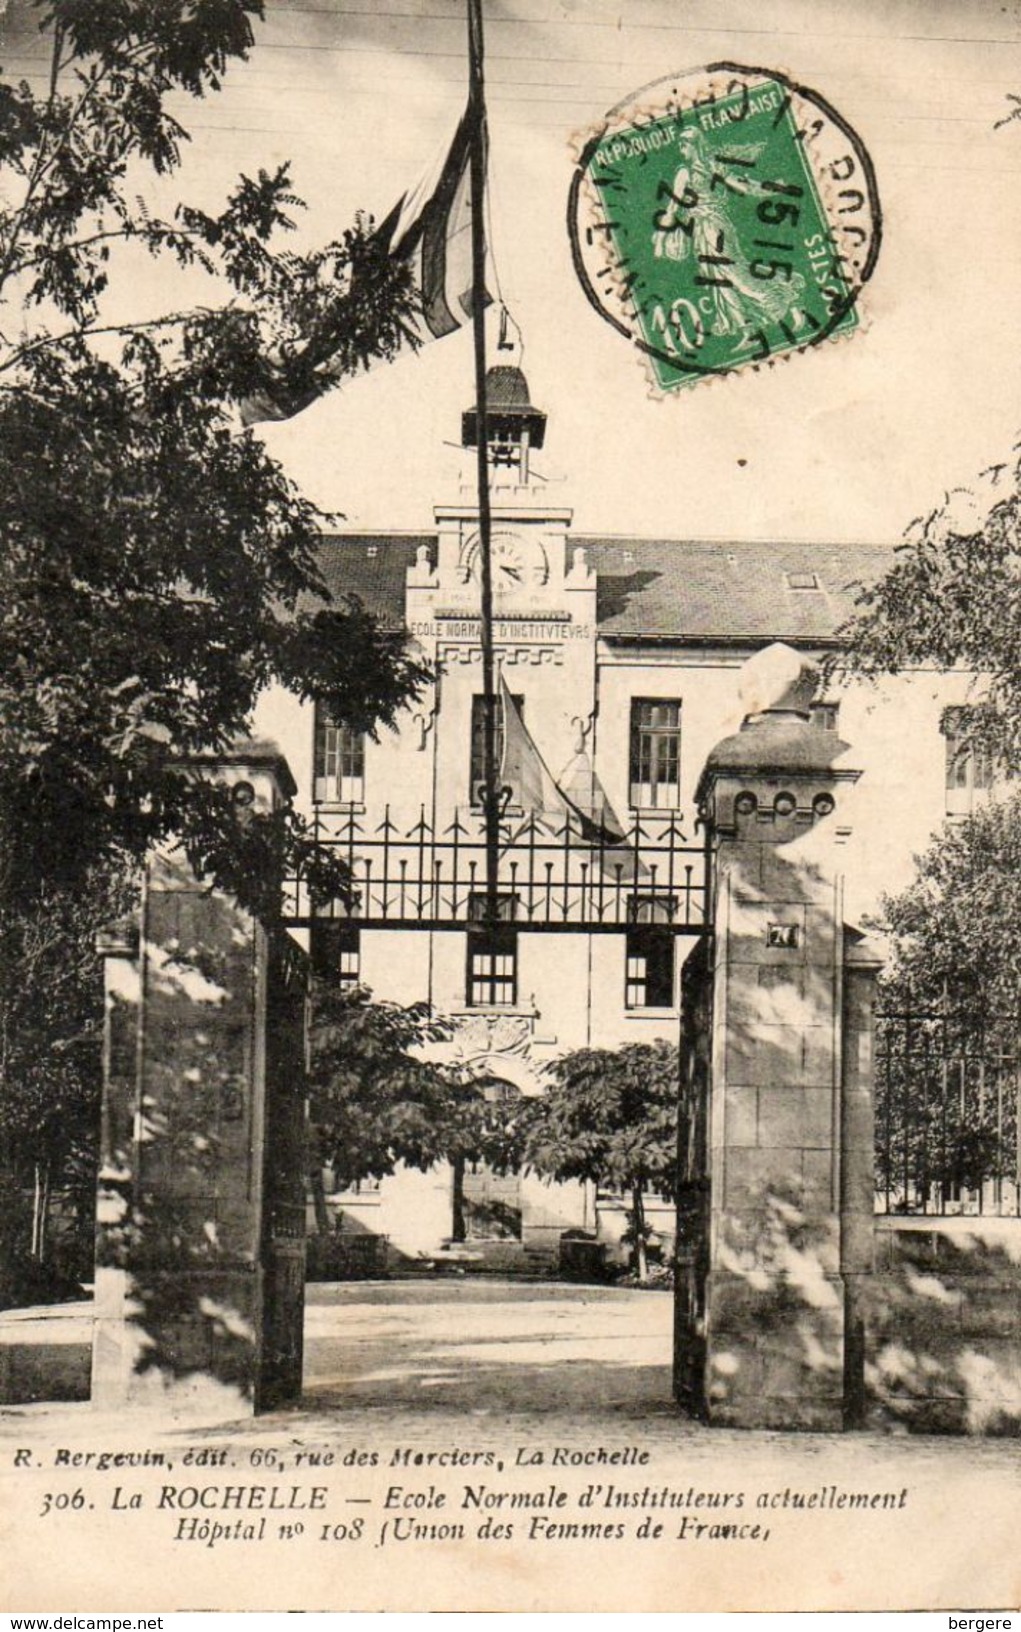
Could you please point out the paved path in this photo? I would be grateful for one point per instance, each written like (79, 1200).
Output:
(552, 1395)
(489, 1346)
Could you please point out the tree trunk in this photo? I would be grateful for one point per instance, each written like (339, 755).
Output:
(40, 1210)
(639, 1259)
(322, 1212)
(458, 1230)
(36, 1211)
(44, 1222)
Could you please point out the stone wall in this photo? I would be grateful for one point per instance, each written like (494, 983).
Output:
(943, 1326)
(199, 1283)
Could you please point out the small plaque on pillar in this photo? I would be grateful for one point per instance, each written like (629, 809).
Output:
(785, 935)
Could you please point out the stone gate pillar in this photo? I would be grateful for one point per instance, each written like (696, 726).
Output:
(788, 1157)
(200, 1220)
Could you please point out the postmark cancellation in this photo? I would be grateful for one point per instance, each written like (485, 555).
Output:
(723, 218)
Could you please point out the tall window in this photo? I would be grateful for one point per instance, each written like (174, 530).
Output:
(969, 766)
(649, 979)
(492, 967)
(477, 769)
(335, 950)
(655, 753)
(825, 716)
(339, 761)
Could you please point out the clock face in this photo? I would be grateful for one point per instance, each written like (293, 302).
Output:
(518, 562)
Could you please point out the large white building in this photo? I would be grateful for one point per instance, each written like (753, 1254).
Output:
(622, 657)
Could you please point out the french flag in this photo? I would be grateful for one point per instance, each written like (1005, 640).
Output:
(430, 227)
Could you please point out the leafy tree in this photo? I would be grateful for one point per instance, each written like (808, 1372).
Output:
(946, 1109)
(377, 1099)
(159, 568)
(951, 996)
(953, 597)
(50, 1049)
(373, 1100)
(953, 930)
(610, 1117)
(952, 600)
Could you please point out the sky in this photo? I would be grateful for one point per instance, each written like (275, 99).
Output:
(850, 441)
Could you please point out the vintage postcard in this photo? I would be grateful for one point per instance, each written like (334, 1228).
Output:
(511, 1076)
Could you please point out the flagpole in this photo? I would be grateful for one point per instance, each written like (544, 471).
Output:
(491, 797)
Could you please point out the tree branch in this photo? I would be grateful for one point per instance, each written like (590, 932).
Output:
(89, 332)
(35, 174)
(149, 231)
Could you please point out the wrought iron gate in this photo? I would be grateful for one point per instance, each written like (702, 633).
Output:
(550, 878)
(948, 1108)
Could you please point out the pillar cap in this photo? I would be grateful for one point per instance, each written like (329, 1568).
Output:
(861, 951)
(770, 745)
(777, 739)
(776, 747)
(778, 680)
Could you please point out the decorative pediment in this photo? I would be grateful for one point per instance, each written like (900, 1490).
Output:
(498, 1046)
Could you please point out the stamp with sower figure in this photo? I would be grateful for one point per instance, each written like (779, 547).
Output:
(722, 218)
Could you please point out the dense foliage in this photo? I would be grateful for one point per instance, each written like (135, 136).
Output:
(953, 930)
(952, 600)
(51, 1067)
(379, 1098)
(946, 1087)
(610, 1117)
(157, 567)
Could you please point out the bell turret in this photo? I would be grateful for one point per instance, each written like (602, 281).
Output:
(514, 426)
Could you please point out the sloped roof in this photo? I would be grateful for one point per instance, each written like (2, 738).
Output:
(702, 590)
(705, 589)
(373, 566)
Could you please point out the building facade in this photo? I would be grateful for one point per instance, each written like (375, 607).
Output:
(620, 657)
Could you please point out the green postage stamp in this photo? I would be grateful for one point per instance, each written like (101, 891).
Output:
(723, 218)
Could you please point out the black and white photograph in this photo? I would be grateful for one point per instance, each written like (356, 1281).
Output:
(510, 831)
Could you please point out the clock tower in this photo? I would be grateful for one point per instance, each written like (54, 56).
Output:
(529, 538)
(544, 594)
